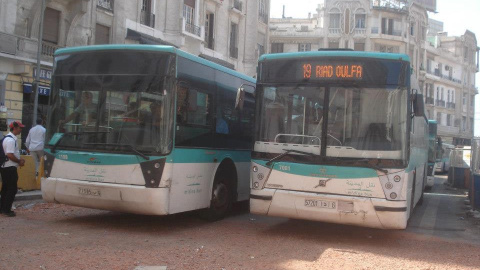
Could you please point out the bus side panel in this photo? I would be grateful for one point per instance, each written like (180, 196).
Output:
(192, 178)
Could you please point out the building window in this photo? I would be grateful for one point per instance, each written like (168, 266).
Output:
(262, 11)
(277, 48)
(472, 102)
(234, 40)
(146, 16)
(471, 123)
(102, 34)
(412, 29)
(209, 30)
(449, 120)
(439, 118)
(360, 19)
(464, 100)
(51, 25)
(333, 45)
(334, 19)
(464, 123)
(189, 11)
(304, 47)
(359, 46)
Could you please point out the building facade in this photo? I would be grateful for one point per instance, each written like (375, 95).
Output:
(397, 27)
(232, 33)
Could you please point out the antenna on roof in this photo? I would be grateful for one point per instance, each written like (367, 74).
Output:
(283, 14)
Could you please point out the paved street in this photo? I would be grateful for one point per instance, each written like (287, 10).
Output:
(50, 236)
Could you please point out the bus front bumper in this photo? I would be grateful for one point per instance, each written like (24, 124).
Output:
(365, 212)
(106, 196)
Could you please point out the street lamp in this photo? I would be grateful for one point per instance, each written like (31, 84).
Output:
(39, 52)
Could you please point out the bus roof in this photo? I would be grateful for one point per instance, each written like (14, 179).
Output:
(361, 54)
(155, 48)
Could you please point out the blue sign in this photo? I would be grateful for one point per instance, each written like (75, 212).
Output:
(42, 90)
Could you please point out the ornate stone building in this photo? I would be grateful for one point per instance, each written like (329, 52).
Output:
(398, 26)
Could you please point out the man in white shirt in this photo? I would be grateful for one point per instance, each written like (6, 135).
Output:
(35, 143)
(9, 169)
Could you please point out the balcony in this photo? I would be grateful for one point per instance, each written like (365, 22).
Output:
(106, 5)
(450, 105)
(234, 52)
(193, 29)
(440, 103)
(48, 49)
(147, 18)
(335, 31)
(429, 100)
(360, 31)
(19, 46)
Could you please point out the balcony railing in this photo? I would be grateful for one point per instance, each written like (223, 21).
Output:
(335, 30)
(105, 4)
(450, 105)
(193, 29)
(237, 4)
(360, 31)
(147, 18)
(429, 100)
(48, 49)
(234, 52)
(437, 73)
(440, 103)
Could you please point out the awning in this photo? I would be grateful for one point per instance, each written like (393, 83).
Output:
(146, 39)
(42, 90)
(218, 61)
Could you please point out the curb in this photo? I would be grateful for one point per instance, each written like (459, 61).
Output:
(28, 197)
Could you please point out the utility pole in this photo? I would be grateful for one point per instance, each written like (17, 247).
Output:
(39, 53)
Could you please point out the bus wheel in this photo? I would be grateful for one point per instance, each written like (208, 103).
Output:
(221, 201)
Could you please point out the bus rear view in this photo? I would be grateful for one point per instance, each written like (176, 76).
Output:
(335, 140)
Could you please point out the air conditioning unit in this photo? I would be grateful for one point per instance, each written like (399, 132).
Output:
(447, 67)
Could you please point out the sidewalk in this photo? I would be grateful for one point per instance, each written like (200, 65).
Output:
(28, 195)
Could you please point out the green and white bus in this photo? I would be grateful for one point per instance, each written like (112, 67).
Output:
(146, 130)
(340, 137)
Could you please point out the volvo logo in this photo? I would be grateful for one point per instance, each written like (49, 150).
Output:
(322, 183)
(93, 161)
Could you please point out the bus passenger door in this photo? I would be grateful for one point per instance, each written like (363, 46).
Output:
(193, 160)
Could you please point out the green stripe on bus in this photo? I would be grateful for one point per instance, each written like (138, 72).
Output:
(186, 155)
(354, 54)
(322, 171)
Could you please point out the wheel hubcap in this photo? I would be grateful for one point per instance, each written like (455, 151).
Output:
(220, 195)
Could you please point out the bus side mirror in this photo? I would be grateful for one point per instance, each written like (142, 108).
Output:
(240, 98)
(418, 105)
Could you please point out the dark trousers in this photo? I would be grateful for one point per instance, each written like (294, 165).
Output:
(9, 188)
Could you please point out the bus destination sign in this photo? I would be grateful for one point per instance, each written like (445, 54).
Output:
(341, 71)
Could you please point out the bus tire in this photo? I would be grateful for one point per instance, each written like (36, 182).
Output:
(221, 200)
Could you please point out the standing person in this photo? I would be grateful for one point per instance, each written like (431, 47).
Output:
(9, 169)
(86, 110)
(35, 143)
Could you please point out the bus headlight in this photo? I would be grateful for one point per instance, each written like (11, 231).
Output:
(397, 178)
(259, 176)
(393, 195)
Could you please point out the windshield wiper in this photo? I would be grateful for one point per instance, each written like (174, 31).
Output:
(368, 165)
(288, 151)
(74, 133)
(131, 147)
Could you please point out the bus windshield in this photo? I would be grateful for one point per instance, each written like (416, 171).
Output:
(366, 123)
(118, 110)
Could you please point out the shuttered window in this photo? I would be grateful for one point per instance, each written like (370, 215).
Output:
(51, 25)
(102, 34)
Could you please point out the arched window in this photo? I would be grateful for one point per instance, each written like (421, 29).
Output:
(360, 18)
(334, 18)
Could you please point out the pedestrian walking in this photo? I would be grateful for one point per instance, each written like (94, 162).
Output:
(9, 169)
(36, 142)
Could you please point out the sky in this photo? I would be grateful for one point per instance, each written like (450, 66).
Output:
(456, 15)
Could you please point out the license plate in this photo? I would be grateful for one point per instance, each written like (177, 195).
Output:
(321, 204)
(89, 192)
